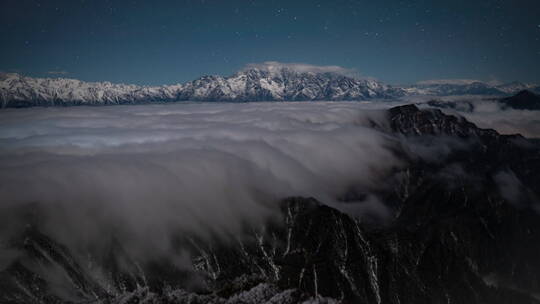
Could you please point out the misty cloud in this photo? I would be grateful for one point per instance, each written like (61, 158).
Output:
(274, 66)
(510, 186)
(142, 174)
(505, 121)
(449, 81)
(483, 111)
(58, 72)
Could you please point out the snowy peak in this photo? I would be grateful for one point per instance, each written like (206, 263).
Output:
(20, 91)
(8, 76)
(286, 82)
(268, 81)
(449, 87)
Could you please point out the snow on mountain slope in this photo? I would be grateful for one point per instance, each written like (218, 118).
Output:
(516, 86)
(269, 81)
(264, 82)
(449, 87)
(275, 81)
(19, 91)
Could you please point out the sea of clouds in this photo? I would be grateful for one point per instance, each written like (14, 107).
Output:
(485, 112)
(141, 174)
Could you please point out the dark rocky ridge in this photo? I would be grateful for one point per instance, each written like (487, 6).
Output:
(524, 100)
(454, 238)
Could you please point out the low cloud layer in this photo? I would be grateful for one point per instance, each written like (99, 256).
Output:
(506, 121)
(486, 112)
(449, 81)
(58, 72)
(142, 174)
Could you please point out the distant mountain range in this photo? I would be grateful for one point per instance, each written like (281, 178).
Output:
(467, 87)
(255, 83)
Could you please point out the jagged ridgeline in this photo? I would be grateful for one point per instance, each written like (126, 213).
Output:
(455, 236)
(270, 81)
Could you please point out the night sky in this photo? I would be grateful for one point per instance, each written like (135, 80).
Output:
(164, 42)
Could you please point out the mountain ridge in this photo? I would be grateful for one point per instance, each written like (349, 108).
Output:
(524, 100)
(253, 83)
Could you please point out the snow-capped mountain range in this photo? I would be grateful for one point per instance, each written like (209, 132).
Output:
(19, 91)
(450, 87)
(269, 81)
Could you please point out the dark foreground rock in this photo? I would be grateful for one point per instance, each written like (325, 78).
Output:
(524, 100)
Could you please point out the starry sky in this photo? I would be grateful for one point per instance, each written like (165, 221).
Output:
(164, 42)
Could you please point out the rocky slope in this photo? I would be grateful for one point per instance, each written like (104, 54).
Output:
(524, 100)
(465, 229)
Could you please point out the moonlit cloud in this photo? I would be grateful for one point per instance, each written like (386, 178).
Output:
(489, 114)
(58, 72)
(143, 174)
(449, 81)
(506, 121)
(274, 66)
(510, 186)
